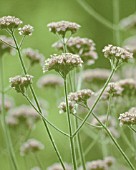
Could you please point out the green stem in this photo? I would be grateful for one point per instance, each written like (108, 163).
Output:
(95, 103)
(132, 129)
(70, 127)
(115, 142)
(95, 15)
(116, 19)
(4, 125)
(37, 103)
(44, 117)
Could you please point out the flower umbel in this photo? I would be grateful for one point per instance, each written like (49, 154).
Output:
(62, 27)
(26, 30)
(20, 83)
(63, 63)
(9, 22)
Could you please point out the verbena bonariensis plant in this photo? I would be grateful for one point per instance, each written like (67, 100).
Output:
(77, 54)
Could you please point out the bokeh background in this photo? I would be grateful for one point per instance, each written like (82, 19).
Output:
(39, 13)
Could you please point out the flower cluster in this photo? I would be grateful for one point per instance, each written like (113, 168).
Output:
(113, 89)
(62, 27)
(80, 96)
(82, 46)
(58, 166)
(50, 80)
(100, 164)
(20, 83)
(63, 63)
(33, 55)
(26, 30)
(4, 47)
(62, 107)
(31, 145)
(24, 114)
(118, 53)
(9, 22)
(128, 118)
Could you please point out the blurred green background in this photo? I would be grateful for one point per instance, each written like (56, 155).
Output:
(39, 13)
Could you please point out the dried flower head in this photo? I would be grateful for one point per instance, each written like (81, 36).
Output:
(26, 30)
(113, 89)
(118, 53)
(63, 63)
(128, 118)
(80, 96)
(20, 83)
(129, 22)
(24, 114)
(33, 55)
(9, 22)
(62, 27)
(50, 80)
(4, 48)
(58, 166)
(31, 145)
(62, 107)
(84, 47)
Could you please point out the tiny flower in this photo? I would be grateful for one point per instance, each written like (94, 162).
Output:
(31, 145)
(63, 63)
(62, 27)
(96, 165)
(20, 83)
(26, 30)
(80, 96)
(62, 107)
(5, 48)
(58, 166)
(50, 80)
(112, 89)
(33, 55)
(9, 22)
(128, 118)
(118, 53)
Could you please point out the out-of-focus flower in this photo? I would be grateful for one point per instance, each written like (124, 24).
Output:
(63, 63)
(36, 168)
(109, 160)
(62, 27)
(84, 47)
(112, 89)
(5, 48)
(33, 55)
(111, 121)
(9, 22)
(50, 80)
(128, 118)
(26, 30)
(8, 103)
(129, 22)
(31, 145)
(20, 83)
(58, 166)
(24, 114)
(118, 53)
(96, 165)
